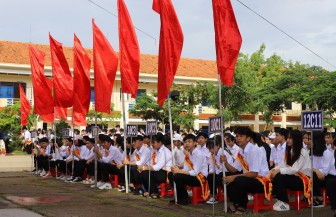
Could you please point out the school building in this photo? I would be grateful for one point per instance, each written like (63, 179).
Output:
(15, 69)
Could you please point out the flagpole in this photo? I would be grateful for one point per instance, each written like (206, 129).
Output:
(149, 172)
(56, 139)
(73, 154)
(125, 147)
(96, 160)
(222, 138)
(171, 142)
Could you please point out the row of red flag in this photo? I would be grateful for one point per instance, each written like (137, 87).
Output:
(66, 91)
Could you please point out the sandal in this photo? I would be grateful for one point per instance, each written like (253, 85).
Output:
(145, 194)
(240, 211)
(232, 208)
(155, 196)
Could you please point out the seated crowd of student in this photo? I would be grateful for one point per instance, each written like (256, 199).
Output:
(251, 162)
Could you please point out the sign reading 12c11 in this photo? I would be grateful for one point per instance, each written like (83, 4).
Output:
(312, 120)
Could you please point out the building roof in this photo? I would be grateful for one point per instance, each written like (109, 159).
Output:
(17, 53)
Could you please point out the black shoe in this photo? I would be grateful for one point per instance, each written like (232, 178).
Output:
(137, 192)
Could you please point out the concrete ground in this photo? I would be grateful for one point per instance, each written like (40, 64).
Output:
(25, 194)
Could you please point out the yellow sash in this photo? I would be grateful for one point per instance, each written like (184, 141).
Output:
(214, 161)
(306, 185)
(201, 178)
(265, 181)
(137, 158)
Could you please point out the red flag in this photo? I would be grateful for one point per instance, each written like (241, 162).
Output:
(105, 62)
(171, 43)
(129, 51)
(82, 89)
(61, 113)
(228, 39)
(48, 118)
(43, 100)
(25, 107)
(62, 79)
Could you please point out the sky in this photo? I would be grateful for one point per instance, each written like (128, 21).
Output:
(312, 22)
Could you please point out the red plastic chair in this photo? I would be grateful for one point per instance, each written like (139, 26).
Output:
(114, 180)
(259, 203)
(297, 203)
(325, 197)
(196, 194)
(164, 190)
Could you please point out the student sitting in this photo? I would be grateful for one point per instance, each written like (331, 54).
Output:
(90, 161)
(293, 173)
(216, 166)
(141, 157)
(323, 167)
(160, 165)
(43, 158)
(253, 180)
(194, 172)
(110, 163)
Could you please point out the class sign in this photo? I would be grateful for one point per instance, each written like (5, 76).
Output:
(151, 128)
(131, 130)
(215, 124)
(312, 120)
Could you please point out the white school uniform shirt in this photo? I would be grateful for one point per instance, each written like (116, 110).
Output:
(251, 154)
(179, 155)
(144, 155)
(62, 153)
(278, 154)
(69, 156)
(26, 135)
(90, 154)
(113, 155)
(325, 164)
(303, 164)
(163, 159)
(264, 170)
(217, 159)
(204, 150)
(83, 152)
(234, 149)
(199, 161)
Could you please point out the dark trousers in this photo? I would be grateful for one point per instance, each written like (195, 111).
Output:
(218, 181)
(61, 165)
(317, 185)
(43, 163)
(69, 165)
(331, 190)
(90, 168)
(283, 182)
(104, 169)
(79, 169)
(156, 177)
(181, 180)
(238, 189)
(135, 175)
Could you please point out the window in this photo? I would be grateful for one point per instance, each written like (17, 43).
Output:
(205, 103)
(10, 89)
(92, 95)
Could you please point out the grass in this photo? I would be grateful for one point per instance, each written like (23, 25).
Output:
(18, 152)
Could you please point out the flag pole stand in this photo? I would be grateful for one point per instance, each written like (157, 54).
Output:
(222, 139)
(171, 143)
(149, 172)
(96, 159)
(125, 147)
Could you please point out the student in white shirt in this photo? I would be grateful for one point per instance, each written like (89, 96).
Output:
(328, 137)
(63, 152)
(194, 172)
(178, 150)
(231, 145)
(278, 151)
(306, 141)
(141, 157)
(286, 175)
(240, 185)
(323, 167)
(110, 163)
(89, 160)
(218, 155)
(202, 138)
(160, 165)
(81, 154)
(43, 157)
(27, 141)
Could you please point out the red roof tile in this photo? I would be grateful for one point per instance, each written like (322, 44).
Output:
(17, 53)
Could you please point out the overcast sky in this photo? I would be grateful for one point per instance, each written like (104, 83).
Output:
(312, 22)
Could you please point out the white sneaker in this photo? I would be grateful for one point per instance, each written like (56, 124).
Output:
(64, 178)
(98, 184)
(281, 206)
(106, 185)
(60, 177)
(189, 193)
(250, 197)
(212, 201)
(43, 173)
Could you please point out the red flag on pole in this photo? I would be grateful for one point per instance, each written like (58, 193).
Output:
(105, 62)
(43, 100)
(228, 39)
(82, 89)
(25, 107)
(129, 51)
(48, 118)
(62, 79)
(61, 113)
(171, 43)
